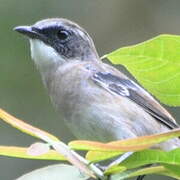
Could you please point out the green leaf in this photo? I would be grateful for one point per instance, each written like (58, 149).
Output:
(155, 64)
(55, 172)
(137, 172)
(21, 152)
(175, 169)
(149, 156)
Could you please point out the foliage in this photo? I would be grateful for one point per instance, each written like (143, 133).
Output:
(168, 162)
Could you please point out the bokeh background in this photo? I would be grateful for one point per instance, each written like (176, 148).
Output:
(112, 24)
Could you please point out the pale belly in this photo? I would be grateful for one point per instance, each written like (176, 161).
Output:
(108, 123)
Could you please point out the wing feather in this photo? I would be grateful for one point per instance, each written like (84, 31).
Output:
(127, 88)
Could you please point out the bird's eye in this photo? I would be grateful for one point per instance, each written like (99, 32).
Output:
(62, 34)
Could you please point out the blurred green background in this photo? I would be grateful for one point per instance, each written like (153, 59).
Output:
(112, 24)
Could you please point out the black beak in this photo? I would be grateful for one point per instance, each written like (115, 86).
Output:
(29, 31)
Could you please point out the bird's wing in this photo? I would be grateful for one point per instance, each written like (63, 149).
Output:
(125, 87)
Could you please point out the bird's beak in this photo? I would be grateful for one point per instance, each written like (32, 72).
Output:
(29, 31)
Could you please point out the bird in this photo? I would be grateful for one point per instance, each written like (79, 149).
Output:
(94, 99)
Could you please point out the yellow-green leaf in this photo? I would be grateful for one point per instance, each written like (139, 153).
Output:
(21, 152)
(24, 127)
(134, 144)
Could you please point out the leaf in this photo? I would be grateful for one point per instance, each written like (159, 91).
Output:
(24, 127)
(154, 170)
(138, 143)
(55, 172)
(155, 64)
(114, 148)
(96, 156)
(175, 169)
(59, 146)
(137, 172)
(149, 156)
(21, 152)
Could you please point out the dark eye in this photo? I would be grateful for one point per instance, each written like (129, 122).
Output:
(62, 34)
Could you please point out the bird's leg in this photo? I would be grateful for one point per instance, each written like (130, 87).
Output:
(116, 161)
(140, 177)
(120, 159)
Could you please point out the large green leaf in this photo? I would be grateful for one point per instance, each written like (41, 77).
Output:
(155, 64)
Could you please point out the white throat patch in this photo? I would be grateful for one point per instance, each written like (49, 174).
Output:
(43, 55)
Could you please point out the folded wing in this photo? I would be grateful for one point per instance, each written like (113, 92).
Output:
(125, 87)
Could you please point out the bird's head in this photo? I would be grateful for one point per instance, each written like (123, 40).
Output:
(58, 40)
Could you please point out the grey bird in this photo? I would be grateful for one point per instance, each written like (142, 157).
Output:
(95, 100)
